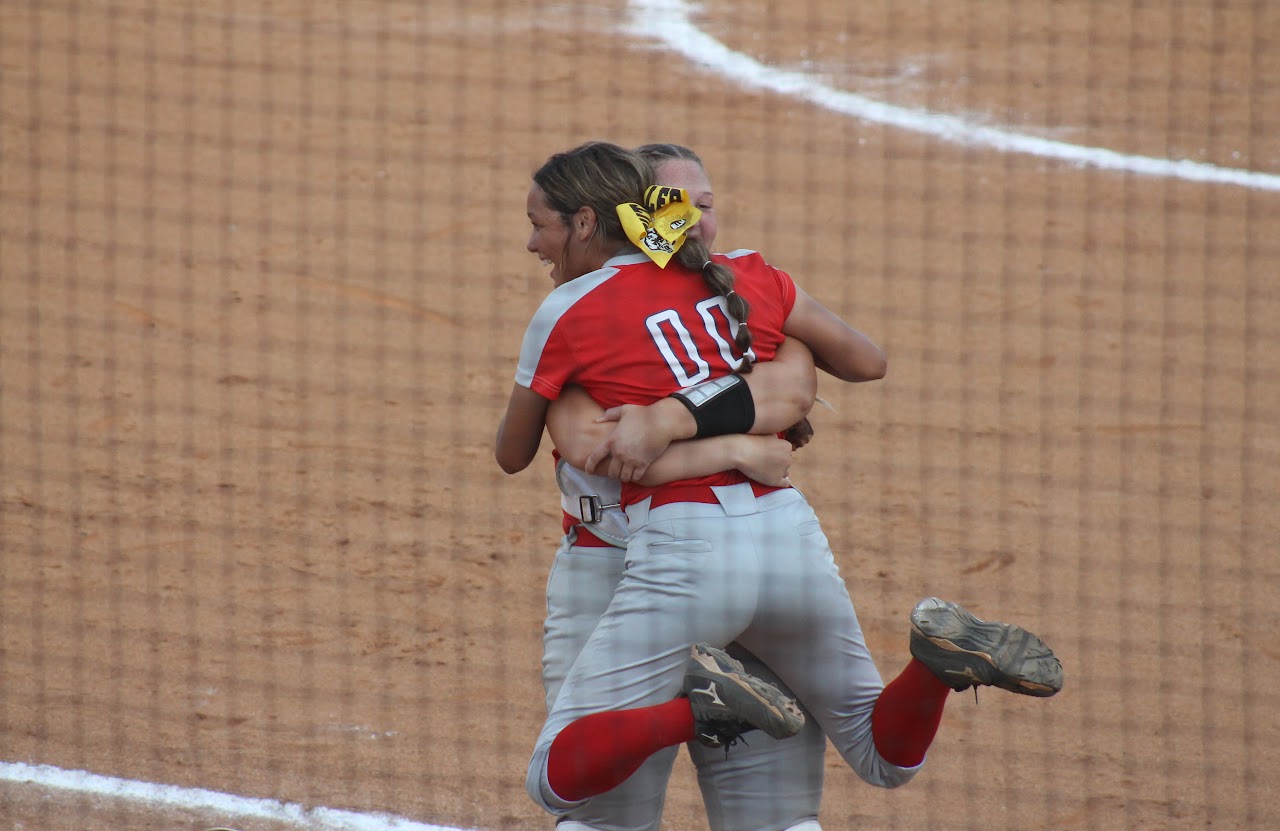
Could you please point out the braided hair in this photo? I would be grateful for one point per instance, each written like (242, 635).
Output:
(694, 255)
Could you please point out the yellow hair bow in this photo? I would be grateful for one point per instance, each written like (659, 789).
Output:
(658, 227)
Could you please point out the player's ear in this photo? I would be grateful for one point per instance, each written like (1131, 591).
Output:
(583, 223)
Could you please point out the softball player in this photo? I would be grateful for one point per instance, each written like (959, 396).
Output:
(769, 784)
(720, 558)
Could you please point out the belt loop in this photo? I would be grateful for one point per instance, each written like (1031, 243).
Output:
(737, 500)
(638, 513)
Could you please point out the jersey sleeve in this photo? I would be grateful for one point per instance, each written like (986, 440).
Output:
(777, 289)
(786, 289)
(549, 356)
(546, 356)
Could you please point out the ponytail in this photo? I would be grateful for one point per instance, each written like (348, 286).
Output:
(658, 226)
(694, 256)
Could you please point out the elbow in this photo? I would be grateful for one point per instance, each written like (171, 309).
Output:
(864, 365)
(879, 368)
(509, 463)
(864, 371)
(805, 395)
(802, 403)
(872, 367)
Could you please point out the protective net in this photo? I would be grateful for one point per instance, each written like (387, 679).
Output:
(262, 289)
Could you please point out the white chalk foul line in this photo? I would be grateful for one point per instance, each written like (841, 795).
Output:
(221, 806)
(670, 23)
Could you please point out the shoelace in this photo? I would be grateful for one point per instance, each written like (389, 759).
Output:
(732, 740)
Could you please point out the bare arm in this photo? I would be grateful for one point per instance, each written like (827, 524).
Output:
(520, 431)
(574, 425)
(575, 430)
(766, 459)
(837, 347)
(783, 388)
(783, 391)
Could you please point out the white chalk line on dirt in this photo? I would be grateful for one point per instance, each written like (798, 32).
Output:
(222, 807)
(670, 22)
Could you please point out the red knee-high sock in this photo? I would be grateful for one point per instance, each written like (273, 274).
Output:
(598, 752)
(907, 715)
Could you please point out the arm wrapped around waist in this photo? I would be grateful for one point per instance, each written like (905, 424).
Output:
(720, 406)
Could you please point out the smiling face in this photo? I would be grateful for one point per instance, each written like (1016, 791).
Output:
(571, 247)
(688, 174)
(550, 236)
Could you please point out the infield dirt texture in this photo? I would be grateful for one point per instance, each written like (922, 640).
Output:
(262, 286)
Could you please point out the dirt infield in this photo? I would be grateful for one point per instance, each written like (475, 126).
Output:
(263, 286)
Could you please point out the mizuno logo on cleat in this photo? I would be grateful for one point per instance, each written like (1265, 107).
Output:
(710, 692)
(966, 672)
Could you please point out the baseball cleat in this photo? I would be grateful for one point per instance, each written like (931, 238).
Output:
(964, 651)
(728, 702)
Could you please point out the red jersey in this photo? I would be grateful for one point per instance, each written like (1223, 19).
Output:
(633, 333)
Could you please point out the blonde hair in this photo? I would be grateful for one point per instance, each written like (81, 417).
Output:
(658, 153)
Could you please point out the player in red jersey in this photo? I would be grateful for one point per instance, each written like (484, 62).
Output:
(769, 783)
(718, 558)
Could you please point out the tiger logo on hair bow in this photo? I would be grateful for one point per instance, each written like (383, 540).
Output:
(658, 227)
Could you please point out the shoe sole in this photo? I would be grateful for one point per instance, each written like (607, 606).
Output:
(784, 717)
(1016, 660)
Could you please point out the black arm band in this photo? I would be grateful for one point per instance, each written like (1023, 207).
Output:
(720, 407)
